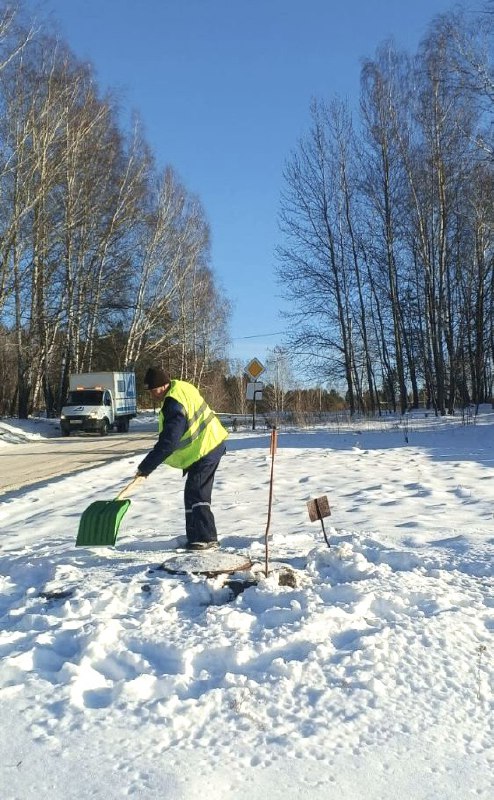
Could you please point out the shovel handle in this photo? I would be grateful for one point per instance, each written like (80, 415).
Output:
(135, 482)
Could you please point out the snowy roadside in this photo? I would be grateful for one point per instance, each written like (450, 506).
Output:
(372, 676)
(16, 431)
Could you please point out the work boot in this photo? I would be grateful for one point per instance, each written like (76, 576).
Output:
(202, 545)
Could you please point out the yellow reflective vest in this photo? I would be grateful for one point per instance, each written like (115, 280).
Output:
(204, 431)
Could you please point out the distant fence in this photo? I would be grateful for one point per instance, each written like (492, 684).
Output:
(344, 422)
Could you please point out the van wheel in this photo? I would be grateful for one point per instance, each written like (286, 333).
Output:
(123, 425)
(104, 427)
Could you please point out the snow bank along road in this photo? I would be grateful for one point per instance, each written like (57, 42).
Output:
(28, 463)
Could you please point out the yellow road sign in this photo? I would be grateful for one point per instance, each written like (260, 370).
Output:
(254, 368)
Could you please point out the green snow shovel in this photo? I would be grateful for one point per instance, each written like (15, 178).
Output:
(99, 524)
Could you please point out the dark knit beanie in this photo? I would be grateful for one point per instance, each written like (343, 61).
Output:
(156, 377)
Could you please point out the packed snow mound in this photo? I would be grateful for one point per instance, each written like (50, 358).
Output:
(343, 564)
(359, 649)
(17, 433)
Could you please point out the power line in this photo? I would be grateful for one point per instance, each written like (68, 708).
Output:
(258, 336)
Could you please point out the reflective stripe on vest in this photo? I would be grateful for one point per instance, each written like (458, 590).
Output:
(185, 442)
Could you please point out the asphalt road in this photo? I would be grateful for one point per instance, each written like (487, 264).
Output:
(29, 463)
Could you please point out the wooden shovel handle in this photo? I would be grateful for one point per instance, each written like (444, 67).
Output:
(134, 484)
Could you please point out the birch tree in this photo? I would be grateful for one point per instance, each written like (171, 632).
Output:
(313, 264)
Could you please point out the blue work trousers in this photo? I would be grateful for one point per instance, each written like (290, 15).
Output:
(199, 519)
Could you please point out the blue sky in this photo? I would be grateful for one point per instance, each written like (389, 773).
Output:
(223, 88)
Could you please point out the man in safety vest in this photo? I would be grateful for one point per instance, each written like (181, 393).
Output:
(191, 438)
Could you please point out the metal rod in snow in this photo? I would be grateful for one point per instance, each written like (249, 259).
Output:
(273, 445)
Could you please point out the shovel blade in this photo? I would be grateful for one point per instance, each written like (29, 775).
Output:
(99, 524)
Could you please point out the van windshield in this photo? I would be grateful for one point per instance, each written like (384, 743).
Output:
(85, 397)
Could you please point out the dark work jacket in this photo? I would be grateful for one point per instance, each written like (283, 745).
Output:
(169, 438)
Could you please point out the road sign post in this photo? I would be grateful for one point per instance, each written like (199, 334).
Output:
(254, 389)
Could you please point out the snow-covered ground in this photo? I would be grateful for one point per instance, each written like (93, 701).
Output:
(372, 677)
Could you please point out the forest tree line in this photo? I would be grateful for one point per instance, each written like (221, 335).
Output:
(388, 222)
(104, 260)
